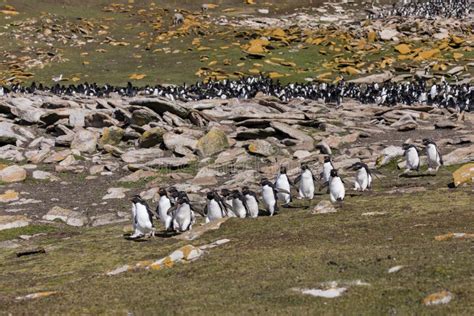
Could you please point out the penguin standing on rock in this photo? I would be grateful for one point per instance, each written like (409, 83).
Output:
(215, 208)
(337, 191)
(411, 157)
(435, 160)
(239, 204)
(306, 180)
(284, 183)
(252, 201)
(269, 195)
(142, 218)
(363, 179)
(164, 204)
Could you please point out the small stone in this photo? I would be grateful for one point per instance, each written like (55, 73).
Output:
(443, 297)
(261, 147)
(9, 196)
(115, 193)
(324, 207)
(43, 175)
(395, 269)
(138, 175)
(13, 221)
(12, 174)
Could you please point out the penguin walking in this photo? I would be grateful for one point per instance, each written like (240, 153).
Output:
(227, 200)
(435, 160)
(337, 191)
(239, 204)
(411, 157)
(183, 214)
(215, 209)
(306, 180)
(164, 204)
(252, 202)
(327, 167)
(269, 196)
(142, 218)
(282, 182)
(363, 178)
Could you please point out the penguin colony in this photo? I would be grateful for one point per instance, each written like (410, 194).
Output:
(443, 94)
(426, 9)
(177, 214)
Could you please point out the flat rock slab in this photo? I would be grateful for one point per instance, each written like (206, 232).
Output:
(13, 221)
(198, 231)
(115, 193)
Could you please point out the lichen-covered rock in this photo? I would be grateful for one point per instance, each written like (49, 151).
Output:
(9, 196)
(15, 221)
(212, 143)
(464, 174)
(151, 137)
(111, 136)
(261, 147)
(84, 141)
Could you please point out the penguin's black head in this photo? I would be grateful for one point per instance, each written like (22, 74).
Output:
(265, 181)
(183, 200)
(358, 165)
(235, 194)
(327, 158)
(136, 199)
(406, 146)
(182, 194)
(162, 192)
(334, 173)
(245, 190)
(225, 192)
(304, 166)
(172, 190)
(427, 141)
(283, 170)
(211, 195)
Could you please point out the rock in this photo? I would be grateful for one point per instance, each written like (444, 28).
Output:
(8, 134)
(162, 105)
(58, 156)
(405, 123)
(254, 133)
(377, 78)
(395, 269)
(388, 34)
(301, 154)
(324, 148)
(36, 295)
(212, 143)
(77, 118)
(323, 207)
(307, 142)
(455, 70)
(96, 169)
(138, 175)
(43, 175)
(13, 221)
(459, 156)
(167, 162)
(388, 154)
(9, 152)
(198, 231)
(261, 147)
(445, 124)
(99, 120)
(173, 140)
(142, 117)
(464, 175)
(450, 236)
(151, 137)
(69, 161)
(111, 136)
(206, 176)
(107, 219)
(12, 174)
(84, 141)
(68, 216)
(443, 297)
(141, 155)
(115, 193)
(23, 108)
(9, 196)
(326, 293)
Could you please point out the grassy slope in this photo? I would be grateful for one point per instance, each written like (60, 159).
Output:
(266, 257)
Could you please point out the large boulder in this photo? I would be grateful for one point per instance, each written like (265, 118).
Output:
(464, 174)
(212, 143)
(151, 137)
(460, 155)
(23, 109)
(8, 134)
(173, 140)
(111, 136)
(306, 142)
(162, 105)
(84, 141)
(12, 174)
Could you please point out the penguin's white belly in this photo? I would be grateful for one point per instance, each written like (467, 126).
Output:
(163, 206)
(336, 190)
(182, 218)
(433, 157)
(306, 186)
(327, 172)
(252, 205)
(239, 208)
(214, 210)
(412, 159)
(143, 224)
(362, 180)
(283, 184)
(269, 199)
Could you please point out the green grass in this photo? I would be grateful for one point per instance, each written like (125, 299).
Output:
(27, 230)
(266, 258)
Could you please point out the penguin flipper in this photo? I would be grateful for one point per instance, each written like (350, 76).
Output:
(298, 179)
(440, 157)
(172, 209)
